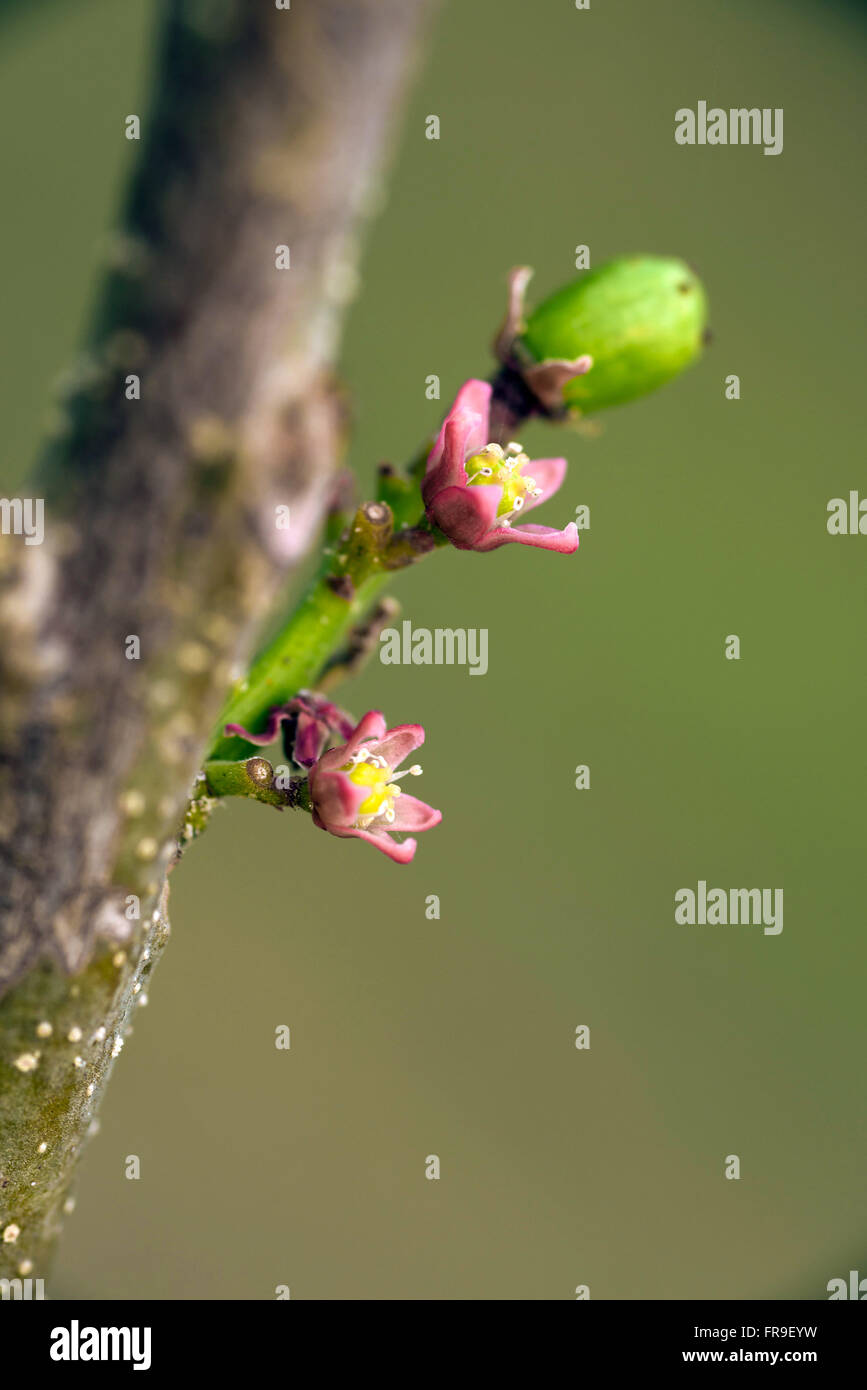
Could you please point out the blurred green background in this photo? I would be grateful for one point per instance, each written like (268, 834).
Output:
(456, 1037)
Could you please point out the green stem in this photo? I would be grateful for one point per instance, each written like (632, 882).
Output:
(297, 655)
(255, 778)
(356, 571)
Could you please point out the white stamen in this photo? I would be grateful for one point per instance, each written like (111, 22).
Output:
(414, 771)
(513, 447)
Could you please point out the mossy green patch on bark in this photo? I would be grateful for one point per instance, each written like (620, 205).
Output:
(60, 1040)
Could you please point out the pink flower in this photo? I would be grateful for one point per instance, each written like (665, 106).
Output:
(310, 724)
(354, 791)
(475, 491)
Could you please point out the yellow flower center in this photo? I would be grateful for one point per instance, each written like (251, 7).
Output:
(372, 771)
(495, 465)
(382, 792)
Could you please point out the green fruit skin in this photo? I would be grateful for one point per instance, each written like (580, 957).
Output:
(641, 318)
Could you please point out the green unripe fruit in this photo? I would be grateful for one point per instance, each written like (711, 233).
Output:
(642, 319)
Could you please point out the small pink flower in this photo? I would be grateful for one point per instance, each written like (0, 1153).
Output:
(475, 491)
(309, 723)
(354, 791)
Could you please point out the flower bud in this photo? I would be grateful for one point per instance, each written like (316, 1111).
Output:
(642, 319)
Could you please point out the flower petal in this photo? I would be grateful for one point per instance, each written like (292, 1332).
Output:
(412, 814)
(399, 743)
(276, 717)
(548, 474)
(336, 800)
(514, 322)
(464, 432)
(380, 839)
(459, 429)
(465, 514)
(474, 396)
(372, 726)
(308, 740)
(547, 379)
(543, 537)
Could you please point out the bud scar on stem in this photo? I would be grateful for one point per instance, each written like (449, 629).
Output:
(255, 777)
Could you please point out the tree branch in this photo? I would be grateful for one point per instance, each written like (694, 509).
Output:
(266, 129)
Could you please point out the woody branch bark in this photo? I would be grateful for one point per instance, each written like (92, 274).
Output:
(266, 128)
